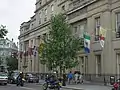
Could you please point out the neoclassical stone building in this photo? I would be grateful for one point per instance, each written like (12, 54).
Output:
(7, 49)
(83, 16)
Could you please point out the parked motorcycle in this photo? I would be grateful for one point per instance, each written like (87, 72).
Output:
(116, 85)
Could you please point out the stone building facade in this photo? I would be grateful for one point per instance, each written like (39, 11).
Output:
(83, 16)
(7, 49)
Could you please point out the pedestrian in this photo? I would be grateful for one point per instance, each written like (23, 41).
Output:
(76, 77)
(81, 78)
(70, 77)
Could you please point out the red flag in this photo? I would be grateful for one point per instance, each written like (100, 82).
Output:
(21, 54)
(30, 51)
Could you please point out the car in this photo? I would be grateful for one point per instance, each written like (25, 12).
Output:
(31, 78)
(3, 78)
(13, 77)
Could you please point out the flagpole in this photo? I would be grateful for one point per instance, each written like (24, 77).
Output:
(103, 35)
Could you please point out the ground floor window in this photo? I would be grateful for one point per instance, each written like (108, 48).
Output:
(98, 65)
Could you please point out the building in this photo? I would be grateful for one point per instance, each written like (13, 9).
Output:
(7, 48)
(83, 16)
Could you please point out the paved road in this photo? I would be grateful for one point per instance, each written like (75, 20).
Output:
(26, 87)
(39, 87)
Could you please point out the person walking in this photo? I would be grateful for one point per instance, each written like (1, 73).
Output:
(70, 77)
(76, 77)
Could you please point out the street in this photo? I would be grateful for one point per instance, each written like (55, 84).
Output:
(25, 87)
(39, 87)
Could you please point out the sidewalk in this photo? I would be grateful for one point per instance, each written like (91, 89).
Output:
(88, 87)
(96, 83)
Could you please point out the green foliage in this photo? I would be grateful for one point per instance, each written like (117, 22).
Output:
(1, 60)
(3, 31)
(60, 47)
(12, 63)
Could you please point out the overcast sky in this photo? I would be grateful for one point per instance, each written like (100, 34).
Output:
(13, 13)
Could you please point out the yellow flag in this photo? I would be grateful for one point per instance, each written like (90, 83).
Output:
(103, 32)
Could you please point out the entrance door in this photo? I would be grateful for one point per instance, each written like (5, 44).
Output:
(118, 64)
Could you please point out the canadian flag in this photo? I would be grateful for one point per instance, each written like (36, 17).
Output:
(102, 36)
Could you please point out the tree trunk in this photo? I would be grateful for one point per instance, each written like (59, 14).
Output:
(60, 71)
(64, 77)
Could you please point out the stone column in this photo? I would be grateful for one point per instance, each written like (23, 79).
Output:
(23, 58)
(37, 56)
(33, 57)
(29, 57)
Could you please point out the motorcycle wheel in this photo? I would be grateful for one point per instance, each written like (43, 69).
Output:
(57, 89)
(17, 84)
(45, 86)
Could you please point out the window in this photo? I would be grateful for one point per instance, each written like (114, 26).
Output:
(75, 30)
(98, 64)
(44, 36)
(40, 3)
(97, 28)
(86, 64)
(118, 25)
(45, 12)
(45, 19)
(63, 7)
(40, 18)
(52, 8)
(82, 29)
(31, 43)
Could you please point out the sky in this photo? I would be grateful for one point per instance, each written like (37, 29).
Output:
(13, 13)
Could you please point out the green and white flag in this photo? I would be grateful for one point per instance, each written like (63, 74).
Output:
(87, 43)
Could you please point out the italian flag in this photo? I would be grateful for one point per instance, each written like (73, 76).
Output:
(87, 43)
(102, 36)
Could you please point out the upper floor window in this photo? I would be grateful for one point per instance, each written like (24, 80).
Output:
(97, 28)
(118, 25)
(40, 15)
(75, 30)
(82, 29)
(63, 7)
(45, 19)
(52, 7)
(40, 3)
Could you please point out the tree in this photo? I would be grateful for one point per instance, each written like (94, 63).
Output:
(60, 48)
(12, 63)
(1, 60)
(3, 31)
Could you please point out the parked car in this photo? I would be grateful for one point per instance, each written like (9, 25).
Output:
(13, 77)
(3, 78)
(31, 78)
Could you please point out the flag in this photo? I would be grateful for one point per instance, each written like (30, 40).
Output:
(102, 36)
(21, 53)
(30, 51)
(24, 53)
(34, 50)
(87, 43)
